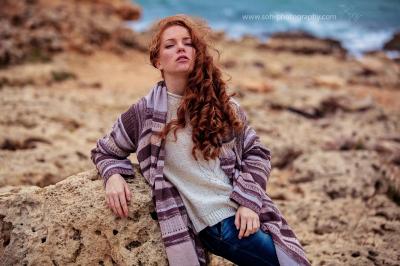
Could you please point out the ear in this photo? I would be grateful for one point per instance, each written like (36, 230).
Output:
(158, 65)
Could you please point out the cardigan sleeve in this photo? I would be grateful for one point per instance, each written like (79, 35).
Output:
(111, 151)
(251, 179)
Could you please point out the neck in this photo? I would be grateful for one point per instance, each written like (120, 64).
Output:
(176, 84)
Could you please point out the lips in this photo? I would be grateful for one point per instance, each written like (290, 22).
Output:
(182, 56)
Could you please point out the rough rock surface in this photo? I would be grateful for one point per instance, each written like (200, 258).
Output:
(303, 43)
(393, 43)
(69, 224)
(36, 29)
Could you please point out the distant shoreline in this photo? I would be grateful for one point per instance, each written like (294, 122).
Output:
(360, 27)
(392, 54)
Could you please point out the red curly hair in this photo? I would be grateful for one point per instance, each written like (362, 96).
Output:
(205, 101)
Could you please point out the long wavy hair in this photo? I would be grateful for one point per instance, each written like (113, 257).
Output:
(205, 103)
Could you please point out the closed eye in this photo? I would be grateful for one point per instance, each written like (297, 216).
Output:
(169, 46)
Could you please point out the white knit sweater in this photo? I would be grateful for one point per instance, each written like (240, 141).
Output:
(203, 185)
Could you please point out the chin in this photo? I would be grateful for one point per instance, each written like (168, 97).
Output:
(181, 71)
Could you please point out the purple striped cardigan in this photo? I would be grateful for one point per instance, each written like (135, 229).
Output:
(243, 158)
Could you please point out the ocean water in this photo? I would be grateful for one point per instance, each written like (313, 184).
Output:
(360, 25)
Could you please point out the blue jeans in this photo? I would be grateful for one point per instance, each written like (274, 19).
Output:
(255, 249)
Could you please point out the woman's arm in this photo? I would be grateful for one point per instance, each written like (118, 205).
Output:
(111, 151)
(251, 180)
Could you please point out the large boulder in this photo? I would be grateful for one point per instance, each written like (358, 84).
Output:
(393, 43)
(35, 30)
(300, 42)
(69, 223)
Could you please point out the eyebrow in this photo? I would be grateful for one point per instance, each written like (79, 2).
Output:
(173, 39)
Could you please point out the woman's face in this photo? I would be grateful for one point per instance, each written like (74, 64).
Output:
(177, 52)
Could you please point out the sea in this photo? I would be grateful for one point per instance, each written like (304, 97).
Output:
(359, 25)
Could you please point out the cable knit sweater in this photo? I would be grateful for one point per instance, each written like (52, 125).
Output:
(203, 185)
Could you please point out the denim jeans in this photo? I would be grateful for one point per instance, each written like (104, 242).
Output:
(222, 240)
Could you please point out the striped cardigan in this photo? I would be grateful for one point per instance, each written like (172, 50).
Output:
(243, 158)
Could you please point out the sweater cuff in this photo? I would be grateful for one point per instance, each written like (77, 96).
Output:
(235, 196)
(123, 172)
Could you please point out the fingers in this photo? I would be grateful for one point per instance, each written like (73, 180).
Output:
(247, 226)
(128, 193)
(117, 205)
(237, 220)
(108, 202)
(257, 224)
(112, 205)
(242, 226)
(250, 227)
(124, 206)
(118, 197)
(247, 220)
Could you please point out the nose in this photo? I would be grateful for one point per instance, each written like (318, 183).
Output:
(181, 46)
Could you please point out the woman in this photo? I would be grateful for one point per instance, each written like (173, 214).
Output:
(206, 166)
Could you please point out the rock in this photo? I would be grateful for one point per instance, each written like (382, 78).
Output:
(391, 137)
(330, 81)
(340, 174)
(258, 64)
(386, 145)
(35, 30)
(371, 65)
(128, 11)
(303, 43)
(128, 38)
(28, 143)
(229, 63)
(70, 223)
(258, 87)
(284, 156)
(318, 105)
(248, 39)
(218, 35)
(394, 43)
(293, 35)
(348, 104)
(376, 70)
(344, 143)
(276, 70)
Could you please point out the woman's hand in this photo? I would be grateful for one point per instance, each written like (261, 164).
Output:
(117, 195)
(247, 220)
